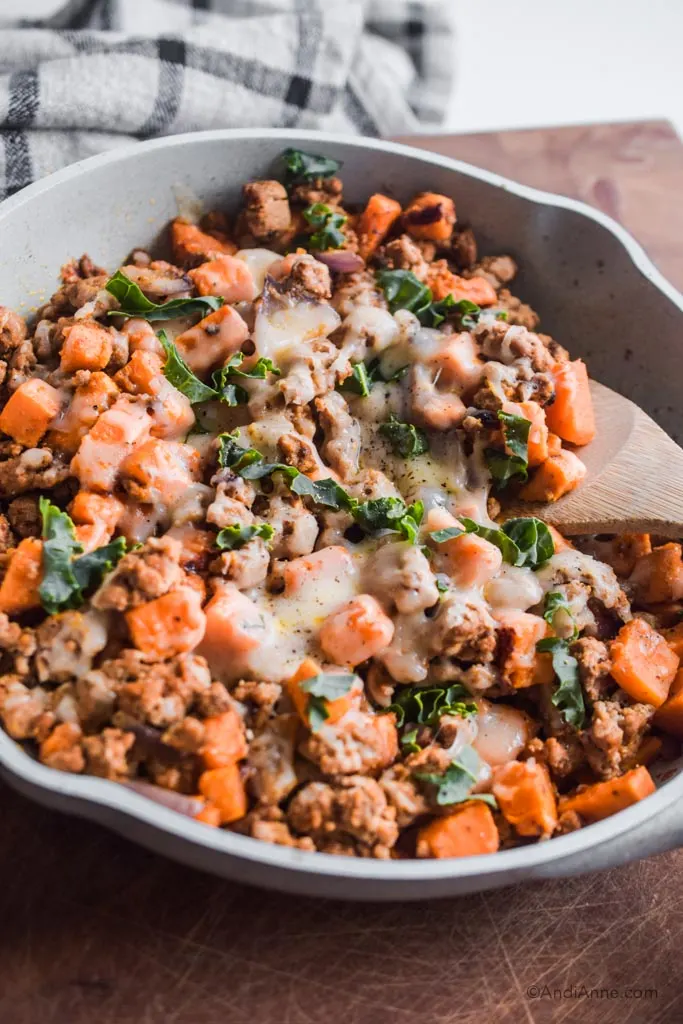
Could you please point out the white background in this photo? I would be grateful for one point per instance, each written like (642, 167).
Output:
(529, 63)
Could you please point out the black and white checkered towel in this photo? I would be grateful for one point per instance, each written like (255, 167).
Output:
(100, 73)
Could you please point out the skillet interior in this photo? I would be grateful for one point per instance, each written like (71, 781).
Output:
(578, 275)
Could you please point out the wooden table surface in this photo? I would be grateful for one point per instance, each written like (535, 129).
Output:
(94, 929)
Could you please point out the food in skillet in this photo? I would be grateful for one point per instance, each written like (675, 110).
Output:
(256, 561)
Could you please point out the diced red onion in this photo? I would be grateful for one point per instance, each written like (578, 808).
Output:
(187, 805)
(342, 261)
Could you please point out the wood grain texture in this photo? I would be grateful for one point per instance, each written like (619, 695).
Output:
(633, 172)
(635, 477)
(95, 929)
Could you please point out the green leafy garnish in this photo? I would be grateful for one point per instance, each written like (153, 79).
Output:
(525, 542)
(230, 538)
(423, 705)
(469, 313)
(403, 290)
(512, 464)
(300, 166)
(327, 222)
(405, 439)
(568, 696)
(134, 303)
(409, 742)
(556, 602)
(533, 539)
(364, 376)
(259, 371)
(455, 785)
(376, 372)
(59, 549)
(327, 492)
(504, 468)
(437, 312)
(359, 382)
(66, 577)
(234, 394)
(389, 514)
(90, 569)
(179, 374)
(376, 514)
(327, 686)
(516, 434)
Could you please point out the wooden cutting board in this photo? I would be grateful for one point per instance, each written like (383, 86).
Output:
(93, 929)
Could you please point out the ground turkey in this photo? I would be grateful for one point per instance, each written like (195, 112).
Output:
(355, 808)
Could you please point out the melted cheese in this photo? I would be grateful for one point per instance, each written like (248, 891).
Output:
(279, 331)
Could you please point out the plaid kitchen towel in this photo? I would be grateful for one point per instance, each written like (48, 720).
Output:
(99, 73)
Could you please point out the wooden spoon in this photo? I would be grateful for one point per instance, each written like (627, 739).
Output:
(635, 477)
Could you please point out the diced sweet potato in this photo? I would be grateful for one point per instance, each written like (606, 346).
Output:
(602, 799)
(457, 361)
(375, 222)
(358, 630)
(209, 815)
(191, 245)
(224, 740)
(466, 832)
(472, 560)
(224, 789)
(171, 624)
(92, 535)
(124, 423)
(141, 335)
(226, 277)
(212, 341)
(171, 411)
(336, 709)
(526, 797)
(557, 476)
(674, 638)
(443, 282)
(19, 587)
(560, 543)
(669, 716)
(141, 373)
(544, 673)
(622, 552)
(29, 411)
(519, 632)
(658, 576)
(89, 401)
(331, 563)
(554, 444)
(650, 749)
(87, 346)
(643, 664)
(102, 450)
(236, 627)
(91, 508)
(160, 471)
(430, 216)
(571, 414)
